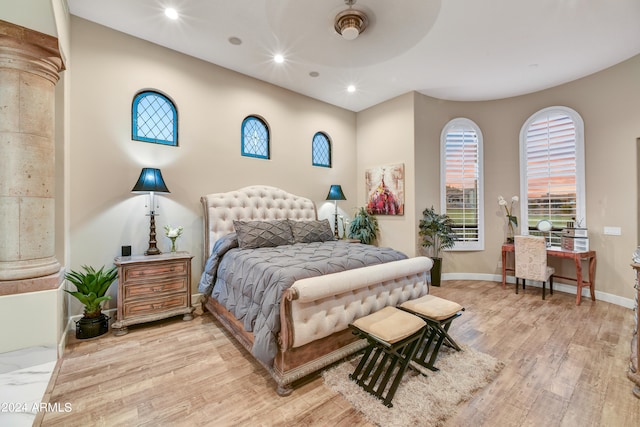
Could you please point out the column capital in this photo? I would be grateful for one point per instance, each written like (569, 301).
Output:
(31, 51)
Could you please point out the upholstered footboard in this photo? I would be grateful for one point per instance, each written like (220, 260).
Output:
(315, 313)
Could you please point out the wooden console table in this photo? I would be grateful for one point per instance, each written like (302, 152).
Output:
(576, 256)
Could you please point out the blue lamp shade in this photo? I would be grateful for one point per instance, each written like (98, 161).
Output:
(150, 180)
(335, 193)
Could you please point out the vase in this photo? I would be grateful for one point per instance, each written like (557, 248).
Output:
(510, 232)
(173, 243)
(91, 327)
(436, 272)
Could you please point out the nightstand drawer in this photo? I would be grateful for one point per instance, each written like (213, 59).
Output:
(154, 305)
(152, 287)
(155, 289)
(150, 271)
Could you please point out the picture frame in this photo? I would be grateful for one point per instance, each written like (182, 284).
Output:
(385, 189)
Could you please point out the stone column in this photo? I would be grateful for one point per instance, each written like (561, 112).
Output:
(30, 63)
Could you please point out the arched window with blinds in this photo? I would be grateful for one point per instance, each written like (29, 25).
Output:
(552, 171)
(461, 182)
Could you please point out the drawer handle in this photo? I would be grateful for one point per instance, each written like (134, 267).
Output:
(158, 289)
(172, 269)
(156, 306)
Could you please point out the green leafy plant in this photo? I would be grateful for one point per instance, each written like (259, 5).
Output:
(436, 231)
(364, 227)
(91, 287)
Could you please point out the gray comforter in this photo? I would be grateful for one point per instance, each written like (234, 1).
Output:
(250, 282)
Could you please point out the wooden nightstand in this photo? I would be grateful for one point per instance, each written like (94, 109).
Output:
(152, 287)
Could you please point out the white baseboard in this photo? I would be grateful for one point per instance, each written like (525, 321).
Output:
(570, 289)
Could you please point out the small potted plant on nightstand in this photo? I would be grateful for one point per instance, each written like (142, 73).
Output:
(91, 287)
(364, 227)
(437, 233)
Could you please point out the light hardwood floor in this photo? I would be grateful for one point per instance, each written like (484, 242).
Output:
(565, 366)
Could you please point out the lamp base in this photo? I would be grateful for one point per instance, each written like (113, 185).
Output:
(153, 250)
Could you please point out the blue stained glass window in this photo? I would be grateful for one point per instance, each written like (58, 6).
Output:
(255, 138)
(154, 118)
(321, 150)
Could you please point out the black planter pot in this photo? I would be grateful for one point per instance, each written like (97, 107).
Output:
(436, 271)
(92, 327)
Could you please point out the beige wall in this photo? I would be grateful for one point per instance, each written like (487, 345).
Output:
(108, 69)
(385, 135)
(607, 102)
(213, 101)
(101, 162)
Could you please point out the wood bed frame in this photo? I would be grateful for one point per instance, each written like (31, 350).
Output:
(325, 304)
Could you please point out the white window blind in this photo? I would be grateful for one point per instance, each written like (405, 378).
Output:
(552, 171)
(461, 179)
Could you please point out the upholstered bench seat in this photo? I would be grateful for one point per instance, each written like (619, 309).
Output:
(390, 324)
(432, 307)
(393, 336)
(438, 313)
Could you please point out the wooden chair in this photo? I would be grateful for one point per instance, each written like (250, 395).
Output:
(438, 313)
(531, 262)
(393, 336)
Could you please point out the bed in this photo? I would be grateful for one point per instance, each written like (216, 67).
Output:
(293, 316)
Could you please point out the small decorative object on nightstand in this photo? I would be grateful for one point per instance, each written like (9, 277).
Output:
(152, 287)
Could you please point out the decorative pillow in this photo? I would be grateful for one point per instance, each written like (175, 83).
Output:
(263, 234)
(311, 231)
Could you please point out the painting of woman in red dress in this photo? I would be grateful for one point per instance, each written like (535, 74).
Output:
(385, 190)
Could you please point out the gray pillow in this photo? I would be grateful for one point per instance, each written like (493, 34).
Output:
(263, 234)
(311, 231)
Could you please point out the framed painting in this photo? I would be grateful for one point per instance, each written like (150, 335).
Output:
(385, 189)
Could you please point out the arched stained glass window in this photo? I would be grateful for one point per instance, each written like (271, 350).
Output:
(255, 138)
(154, 118)
(321, 150)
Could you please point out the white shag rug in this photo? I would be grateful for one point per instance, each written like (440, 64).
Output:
(420, 400)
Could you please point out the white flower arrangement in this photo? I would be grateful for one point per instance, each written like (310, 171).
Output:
(173, 232)
(509, 209)
(512, 220)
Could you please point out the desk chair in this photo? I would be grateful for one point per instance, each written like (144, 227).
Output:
(531, 262)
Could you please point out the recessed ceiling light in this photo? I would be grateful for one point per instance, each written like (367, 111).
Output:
(235, 40)
(171, 13)
(278, 58)
(351, 88)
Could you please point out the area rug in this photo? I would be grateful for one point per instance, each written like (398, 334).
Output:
(421, 400)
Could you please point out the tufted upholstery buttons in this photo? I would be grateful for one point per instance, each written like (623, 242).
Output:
(259, 202)
(320, 318)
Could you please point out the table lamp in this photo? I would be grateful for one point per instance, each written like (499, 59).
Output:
(150, 181)
(335, 194)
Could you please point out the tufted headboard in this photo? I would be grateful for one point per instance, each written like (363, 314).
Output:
(258, 202)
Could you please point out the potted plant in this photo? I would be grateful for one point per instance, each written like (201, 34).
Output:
(91, 287)
(364, 227)
(437, 234)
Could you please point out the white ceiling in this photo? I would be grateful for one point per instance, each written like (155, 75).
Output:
(449, 49)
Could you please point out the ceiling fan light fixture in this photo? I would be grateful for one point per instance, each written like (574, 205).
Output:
(350, 23)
